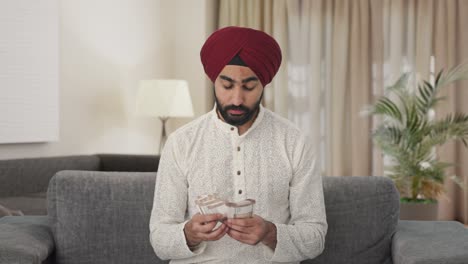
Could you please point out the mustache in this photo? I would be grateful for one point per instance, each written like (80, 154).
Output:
(233, 107)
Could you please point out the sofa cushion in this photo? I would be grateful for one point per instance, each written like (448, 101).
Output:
(430, 242)
(5, 211)
(32, 175)
(362, 215)
(28, 204)
(25, 239)
(102, 217)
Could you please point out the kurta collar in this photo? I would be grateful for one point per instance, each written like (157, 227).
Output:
(233, 129)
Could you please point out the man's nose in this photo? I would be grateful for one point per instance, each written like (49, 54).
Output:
(237, 96)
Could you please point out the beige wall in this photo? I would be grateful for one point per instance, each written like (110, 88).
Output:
(193, 21)
(106, 47)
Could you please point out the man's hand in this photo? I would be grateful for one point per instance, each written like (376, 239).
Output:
(200, 228)
(252, 230)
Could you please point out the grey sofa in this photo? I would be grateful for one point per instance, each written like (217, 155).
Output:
(23, 182)
(103, 217)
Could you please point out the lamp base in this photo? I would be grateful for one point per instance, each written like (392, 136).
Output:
(163, 139)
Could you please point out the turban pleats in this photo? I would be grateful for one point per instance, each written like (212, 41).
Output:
(258, 50)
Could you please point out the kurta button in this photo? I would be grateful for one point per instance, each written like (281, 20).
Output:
(232, 129)
(238, 148)
(238, 172)
(240, 191)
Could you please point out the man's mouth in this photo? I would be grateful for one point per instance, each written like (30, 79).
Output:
(236, 112)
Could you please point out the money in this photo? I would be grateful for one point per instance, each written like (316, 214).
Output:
(213, 204)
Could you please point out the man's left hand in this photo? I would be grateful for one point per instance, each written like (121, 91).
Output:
(252, 230)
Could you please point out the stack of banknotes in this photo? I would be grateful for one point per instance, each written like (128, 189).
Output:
(212, 204)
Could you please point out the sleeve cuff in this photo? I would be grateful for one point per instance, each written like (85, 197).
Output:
(278, 254)
(191, 252)
(269, 253)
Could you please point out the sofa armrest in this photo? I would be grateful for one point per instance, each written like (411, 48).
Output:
(430, 242)
(128, 162)
(25, 239)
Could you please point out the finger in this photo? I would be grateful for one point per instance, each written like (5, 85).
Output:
(223, 231)
(226, 229)
(245, 222)
(206, 227)
(216, 233)
(239, 228)
(242, 237)
(208, 217)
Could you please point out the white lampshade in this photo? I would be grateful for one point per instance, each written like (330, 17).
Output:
(164, 98)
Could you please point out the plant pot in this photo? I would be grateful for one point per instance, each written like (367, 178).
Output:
(418, 211)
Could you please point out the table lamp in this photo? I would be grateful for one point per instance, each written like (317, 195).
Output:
(164, 99)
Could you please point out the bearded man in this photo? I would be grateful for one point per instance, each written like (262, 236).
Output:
(239, 150)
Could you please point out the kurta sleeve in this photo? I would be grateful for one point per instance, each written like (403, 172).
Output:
(303, 237)
(169, 207)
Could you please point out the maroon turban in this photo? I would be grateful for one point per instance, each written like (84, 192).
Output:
(258, 50)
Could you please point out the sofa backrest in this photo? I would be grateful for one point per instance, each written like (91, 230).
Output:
(23, 182)
(128, 162)
(32, 175)
(362, 215)
(103, 217)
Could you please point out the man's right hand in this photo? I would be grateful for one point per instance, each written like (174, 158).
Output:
(200, 228)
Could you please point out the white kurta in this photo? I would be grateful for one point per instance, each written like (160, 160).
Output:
(272, 162)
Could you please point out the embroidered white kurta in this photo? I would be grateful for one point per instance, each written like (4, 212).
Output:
(272, 162)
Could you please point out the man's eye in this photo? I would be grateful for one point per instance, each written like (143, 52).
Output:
(227, 87)
(249, 88)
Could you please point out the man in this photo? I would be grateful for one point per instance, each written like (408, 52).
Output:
(239, 150)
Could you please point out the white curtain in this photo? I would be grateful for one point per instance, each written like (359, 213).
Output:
(318, 53)
(331, 80)
(339, 56)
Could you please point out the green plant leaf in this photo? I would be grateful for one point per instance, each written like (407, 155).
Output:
(409, 137)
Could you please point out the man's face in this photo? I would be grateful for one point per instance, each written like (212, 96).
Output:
(238, 94)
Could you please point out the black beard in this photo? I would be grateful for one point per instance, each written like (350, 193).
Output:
(237, 120)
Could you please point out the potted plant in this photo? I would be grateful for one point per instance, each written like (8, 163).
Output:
(408, 134)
